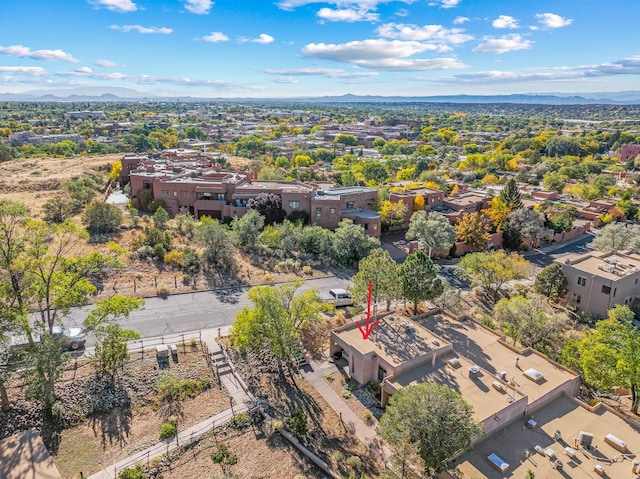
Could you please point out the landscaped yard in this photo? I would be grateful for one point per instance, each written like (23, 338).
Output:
(112, 434)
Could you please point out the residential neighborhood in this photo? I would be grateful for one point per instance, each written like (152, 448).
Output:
(489, 278)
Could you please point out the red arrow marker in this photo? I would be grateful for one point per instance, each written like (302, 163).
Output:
(368, 327)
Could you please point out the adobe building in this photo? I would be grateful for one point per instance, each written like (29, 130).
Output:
(629, 152)
(194, 186)
(501, 383)
(598, 281)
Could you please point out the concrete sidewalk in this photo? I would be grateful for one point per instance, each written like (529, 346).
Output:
(240, 403)
(366, 433)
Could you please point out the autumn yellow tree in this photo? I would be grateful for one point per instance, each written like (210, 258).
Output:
(393, 213)
(418, 203)
(498, 211)
(472, 229)
(116, 168)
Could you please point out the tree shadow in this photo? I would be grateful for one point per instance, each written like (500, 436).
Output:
(112, 427)
(171, 407)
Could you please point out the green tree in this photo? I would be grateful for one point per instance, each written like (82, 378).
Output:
(268, 205)
(381, 270)
(160, 218)
(102, 218)
(492, 270)
(419, 279)
(430, 420)
(374, 171)
(617, 236)
(247, 228)
(608, 355)
(511, 196)
(472, 229)
(111, 340)
(346, 140)
(276, 319)
(531, 322)
(433, 230)
(552, 282)
(219, 252)
(57, 209)
(350, 243)
(528, 223)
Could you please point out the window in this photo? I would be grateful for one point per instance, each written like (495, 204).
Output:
(578, 299)
(349, 205)
(220, 196)
(366, 226)
(184, 194)
(294, 205)
(614, 292)
(175, 193)
(318, 212)
(382, 373)
(165, 193)
(606, 289)
(375, 226)
(582, 281)
(333, 212)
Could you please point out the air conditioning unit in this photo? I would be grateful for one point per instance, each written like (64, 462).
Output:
(585, 439)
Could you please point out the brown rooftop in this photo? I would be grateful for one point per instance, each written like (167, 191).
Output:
(570, 417)
(396, 339)
(483, 349)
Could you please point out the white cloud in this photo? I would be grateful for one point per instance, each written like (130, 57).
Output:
(347, 15)
(409, 64)
(461, 20)
(285, 81)
(143, 30)
(47, 55)
(121, 6)
(435, 33)
(199, 7)
(364, 50)
(106, 63)
(324, 72)
(551, 20)
(215, 37)
(403, 12)
(28, 71)
(263, 39)
(445, 3)
(359, 4)
(381, 54)
(505, 21)
(84, 70)
(507, 43)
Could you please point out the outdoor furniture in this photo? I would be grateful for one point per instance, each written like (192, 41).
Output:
(454, 362)
(599, 469)
(497, 385)
(550, 453)
(531, 424)
(497, 462)
(538, 449)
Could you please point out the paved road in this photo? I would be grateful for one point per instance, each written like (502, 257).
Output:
(192, 311)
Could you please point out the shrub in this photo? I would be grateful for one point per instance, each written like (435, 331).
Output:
(488, 322)
(329, 378)
(337, 456)
(367, 416)
(167, 430)
(298, 422)
(273, 425)
(267, 278)
(354, 462)
(346, 393)
(375, 387)
(163, 291)
(132, 473)
(144, 252)
(308, 270)
(241, 420)
(173, 257)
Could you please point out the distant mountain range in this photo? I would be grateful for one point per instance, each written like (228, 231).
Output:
(112, 94)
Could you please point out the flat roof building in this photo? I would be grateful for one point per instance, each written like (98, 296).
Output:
(599, 281)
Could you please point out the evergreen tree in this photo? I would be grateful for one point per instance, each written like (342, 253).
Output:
(511, 196)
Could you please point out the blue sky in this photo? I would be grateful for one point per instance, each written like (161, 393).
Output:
(291, 48)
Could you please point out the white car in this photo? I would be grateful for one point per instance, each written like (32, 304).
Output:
(69, 338)
(338, 297)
